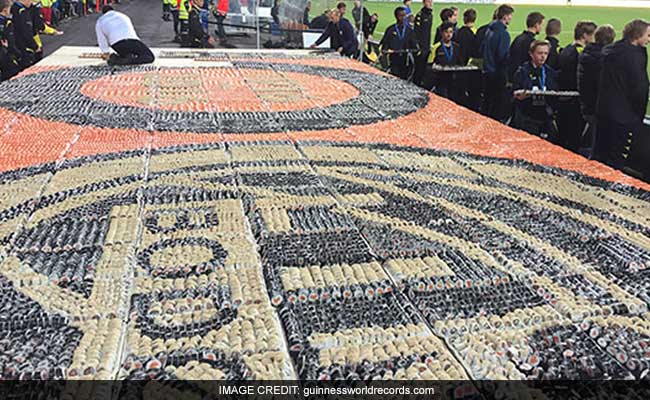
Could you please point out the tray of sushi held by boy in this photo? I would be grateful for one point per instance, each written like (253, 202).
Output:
(458, 68)
(554, 93)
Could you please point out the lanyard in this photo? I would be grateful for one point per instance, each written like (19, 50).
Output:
(449, 54)
(403, 34)
(542, 79)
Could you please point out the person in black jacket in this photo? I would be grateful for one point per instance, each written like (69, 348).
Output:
(533, 113)
(400, 43)
(24, 32)
(520, 47)
(9, 53)
(448, 53)
(466, 38)
(38, 26)
(480, 38)
(197, 37)
(569, 119)
(360, 15)
(623, 93)
(446, 15)
(422, 28)
(466, 35)
(341, 35)
(321, 21)
(589, 68)
(553, 30)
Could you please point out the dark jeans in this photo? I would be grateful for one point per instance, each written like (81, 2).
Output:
(221, 33)
(497, 102)
(177, 21)
(615, 141)
(131, 52)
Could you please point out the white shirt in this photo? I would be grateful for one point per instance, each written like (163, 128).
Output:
(113, 27)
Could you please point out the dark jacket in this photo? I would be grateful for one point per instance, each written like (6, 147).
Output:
(439, 57)
(496, 49)
(356, 14)
(568, 61)
(341, 35)
(369, 27)
(393, 41)
(197, 36)
(553, 53)
(466, 38)
(24, 29)
(7, 34)
(589, 67)
(319, 22)
(520, 52)
(38, 23)
(527, 77)
(623, 89)
(423, 25)
(305, 17)
(439, 33)
(480, 39)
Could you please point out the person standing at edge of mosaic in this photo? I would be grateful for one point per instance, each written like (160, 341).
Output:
(115, 30)
(569, 119)
(590, 65)
(422, 27)
(496, 52)
(534, 113)
(520, 47)
(623, 93)
(9, 53)
(400, 43)
(24, 31)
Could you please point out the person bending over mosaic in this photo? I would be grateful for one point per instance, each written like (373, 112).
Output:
(115, 30)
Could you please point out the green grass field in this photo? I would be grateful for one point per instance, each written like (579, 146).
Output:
(569, 15)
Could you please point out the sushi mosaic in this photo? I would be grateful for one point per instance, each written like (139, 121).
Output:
(306, 259)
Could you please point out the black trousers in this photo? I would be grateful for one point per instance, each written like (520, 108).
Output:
(9, 67)
(420, 68)
(221, 33)
(177, 21)
(615, 140)
(570, 124)
(542, 128)
(497, 102)
(131, 52)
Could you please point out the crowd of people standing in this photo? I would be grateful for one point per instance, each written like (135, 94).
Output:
(588, 96)
(22, 22)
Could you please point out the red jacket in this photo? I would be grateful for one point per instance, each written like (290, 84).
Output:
(222, 7)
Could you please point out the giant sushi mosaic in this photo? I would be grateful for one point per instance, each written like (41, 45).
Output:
(304, 217)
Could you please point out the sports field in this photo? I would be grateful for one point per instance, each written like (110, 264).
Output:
(569, 15)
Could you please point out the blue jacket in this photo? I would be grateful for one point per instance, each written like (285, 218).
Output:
(496, 48)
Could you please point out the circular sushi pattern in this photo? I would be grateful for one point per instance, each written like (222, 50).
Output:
(247, 97)
(320, 260)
